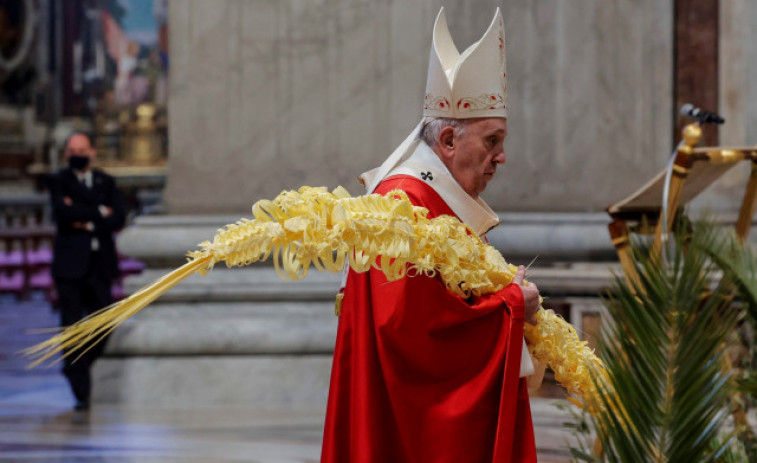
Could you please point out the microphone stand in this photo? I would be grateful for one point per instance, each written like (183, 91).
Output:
(664, 248)
(702, 117)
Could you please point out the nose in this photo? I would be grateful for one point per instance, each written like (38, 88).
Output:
(500, 157)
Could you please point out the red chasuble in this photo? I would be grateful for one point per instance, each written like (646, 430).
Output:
(421, 375)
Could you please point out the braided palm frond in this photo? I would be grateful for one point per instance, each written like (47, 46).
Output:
(315, 227)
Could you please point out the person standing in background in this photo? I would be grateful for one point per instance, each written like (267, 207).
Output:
(87, 210)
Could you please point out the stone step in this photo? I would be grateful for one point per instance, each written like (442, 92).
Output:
(259, 283)
(243, 284)
(254, 312)
(579, 279)
(235, 310)
(186, 382)
(163, 240)
(228, 328)
(246, 337)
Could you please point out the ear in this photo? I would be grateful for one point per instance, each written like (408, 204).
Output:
(446, 141)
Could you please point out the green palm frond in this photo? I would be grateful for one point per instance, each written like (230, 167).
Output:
(748, 384)
(738, 264)
(737, 261)
(667, 392)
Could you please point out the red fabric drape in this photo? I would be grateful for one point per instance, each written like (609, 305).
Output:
(420, 375)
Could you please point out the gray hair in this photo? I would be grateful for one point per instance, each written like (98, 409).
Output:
(433, 126)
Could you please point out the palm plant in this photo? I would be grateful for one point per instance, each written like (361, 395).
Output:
(739, 263)
(666, 394)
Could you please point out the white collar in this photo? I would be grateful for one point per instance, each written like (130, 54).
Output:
(85, 177)
(424, 164)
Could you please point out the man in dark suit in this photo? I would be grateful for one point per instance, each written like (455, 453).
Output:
(87, 209)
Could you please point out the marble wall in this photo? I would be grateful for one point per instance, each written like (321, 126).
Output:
(273, 94)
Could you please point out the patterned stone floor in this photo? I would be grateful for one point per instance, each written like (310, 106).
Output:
(37, 424)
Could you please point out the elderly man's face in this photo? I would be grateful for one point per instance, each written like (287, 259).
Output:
(472, 157)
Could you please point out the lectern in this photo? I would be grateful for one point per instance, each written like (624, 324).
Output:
(653, 206)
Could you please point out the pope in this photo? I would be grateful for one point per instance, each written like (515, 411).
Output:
(421, 374)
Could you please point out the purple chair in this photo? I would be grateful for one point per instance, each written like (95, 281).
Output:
(12, 272)
(39, 257)
(129, 266)
(13, 282)
(11, 260)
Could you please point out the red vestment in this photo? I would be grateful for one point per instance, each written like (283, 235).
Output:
(421, 375)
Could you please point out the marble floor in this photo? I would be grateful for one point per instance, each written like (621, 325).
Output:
(38, 425)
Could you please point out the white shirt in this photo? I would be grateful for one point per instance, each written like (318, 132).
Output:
(85, 178)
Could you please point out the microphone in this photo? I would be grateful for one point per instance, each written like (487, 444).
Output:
(704, 117)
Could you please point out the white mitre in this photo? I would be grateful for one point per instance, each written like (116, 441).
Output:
(459, 86)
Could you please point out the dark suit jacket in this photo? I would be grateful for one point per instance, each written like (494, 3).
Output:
(73, 246)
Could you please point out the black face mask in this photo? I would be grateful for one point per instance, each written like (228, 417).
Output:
(78, 162)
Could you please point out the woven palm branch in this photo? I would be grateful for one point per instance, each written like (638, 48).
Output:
(313, 227)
